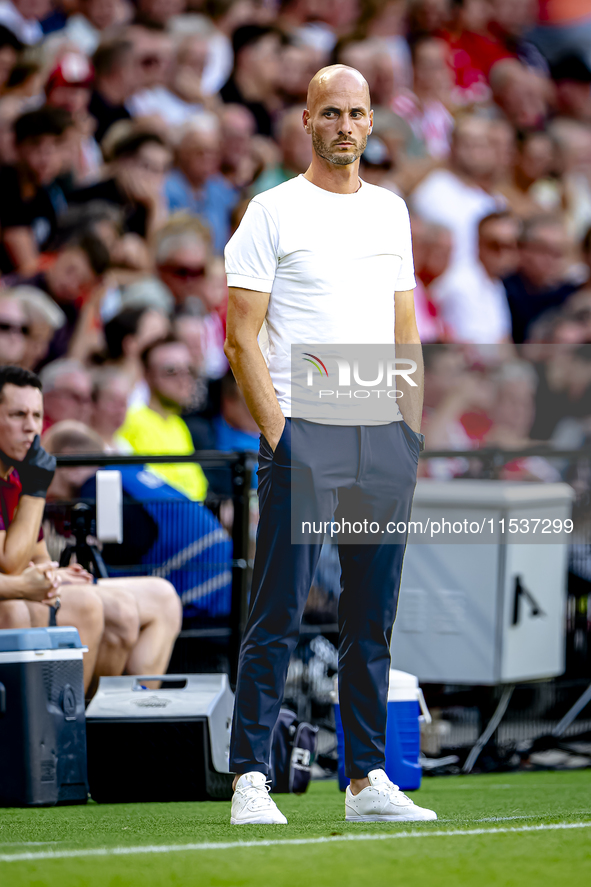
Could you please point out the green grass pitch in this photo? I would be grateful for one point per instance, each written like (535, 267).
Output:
(507, 830)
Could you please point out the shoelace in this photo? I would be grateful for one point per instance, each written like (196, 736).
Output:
(253, 794)
(390, 787)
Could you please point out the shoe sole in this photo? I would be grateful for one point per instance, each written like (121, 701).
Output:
(378, 818)
(255, 822)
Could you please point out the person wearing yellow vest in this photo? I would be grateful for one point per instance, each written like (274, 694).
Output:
(157, 428)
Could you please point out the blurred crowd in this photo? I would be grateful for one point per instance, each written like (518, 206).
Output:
(134, 132)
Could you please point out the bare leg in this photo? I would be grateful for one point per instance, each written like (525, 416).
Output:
(122, 629)
(14, 614)
(82, 608)
(160, 615)
(358, 785)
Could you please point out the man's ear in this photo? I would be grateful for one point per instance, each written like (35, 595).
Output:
(306, 121)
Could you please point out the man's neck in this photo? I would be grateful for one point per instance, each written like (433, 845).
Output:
(487, 272)
(330, 177)
(5, 470)
(164, 409)
(197, 184)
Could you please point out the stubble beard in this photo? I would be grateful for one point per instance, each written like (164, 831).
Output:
(334, 157)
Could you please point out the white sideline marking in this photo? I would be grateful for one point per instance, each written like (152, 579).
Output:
(233, 845)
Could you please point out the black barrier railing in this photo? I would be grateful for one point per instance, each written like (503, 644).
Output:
(320, 617)
(240, 467)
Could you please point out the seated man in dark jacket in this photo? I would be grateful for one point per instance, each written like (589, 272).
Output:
(32, 198)
(542, 280)
(140, 161)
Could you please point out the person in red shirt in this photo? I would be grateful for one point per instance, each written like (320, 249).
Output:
(22, 501)
(127, 624)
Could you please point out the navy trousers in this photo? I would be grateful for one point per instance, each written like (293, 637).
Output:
(359, 472)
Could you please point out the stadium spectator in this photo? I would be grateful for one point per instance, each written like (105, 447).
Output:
(521, 93)
(385, 21)
(512, 413)
(22, 498)
(474, 50)
(127, 335)
(542, 281)
(142, 615)
(157, 428)
(31, 196)
(67, 392)
(193, 553)
(114, 83)
(44, 319)
(372, 59)
(75, 272)
(235, 429)
(471, 297)
(10, 47)
(573, 155)
(23, 17)
(296, 152)
(254, 81)
(181, 254)
(239, 163)
(426, 107)
(572, 79)
(196, 185)
(530, 187)
(155, 14)
(431, 250)
(139, 163)
(173, 94)
(13, 329)
(458, 197)
(111, 391)
(84, 27)
(511, 24)
(10, 109)
(453, 395)
(69, 87)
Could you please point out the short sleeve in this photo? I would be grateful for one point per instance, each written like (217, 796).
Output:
(406, 275)
(251, 255)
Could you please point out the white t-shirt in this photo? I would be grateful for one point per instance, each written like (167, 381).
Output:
(331, 262)
(445, 199)
(473, 304)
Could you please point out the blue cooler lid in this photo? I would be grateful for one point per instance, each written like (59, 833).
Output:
(13, 640)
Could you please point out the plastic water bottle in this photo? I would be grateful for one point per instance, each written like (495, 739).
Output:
(403, 736)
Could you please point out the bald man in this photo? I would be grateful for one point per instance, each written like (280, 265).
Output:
(323, 258)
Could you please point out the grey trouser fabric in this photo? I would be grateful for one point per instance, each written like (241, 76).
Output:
(352, 471)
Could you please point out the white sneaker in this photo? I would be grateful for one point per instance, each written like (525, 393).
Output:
(251, 804)
(382, 801)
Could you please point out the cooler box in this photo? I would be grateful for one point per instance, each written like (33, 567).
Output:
(403, 735)
(170, 744)
(42, 727)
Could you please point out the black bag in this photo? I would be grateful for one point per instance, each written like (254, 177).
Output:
(293, 751)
